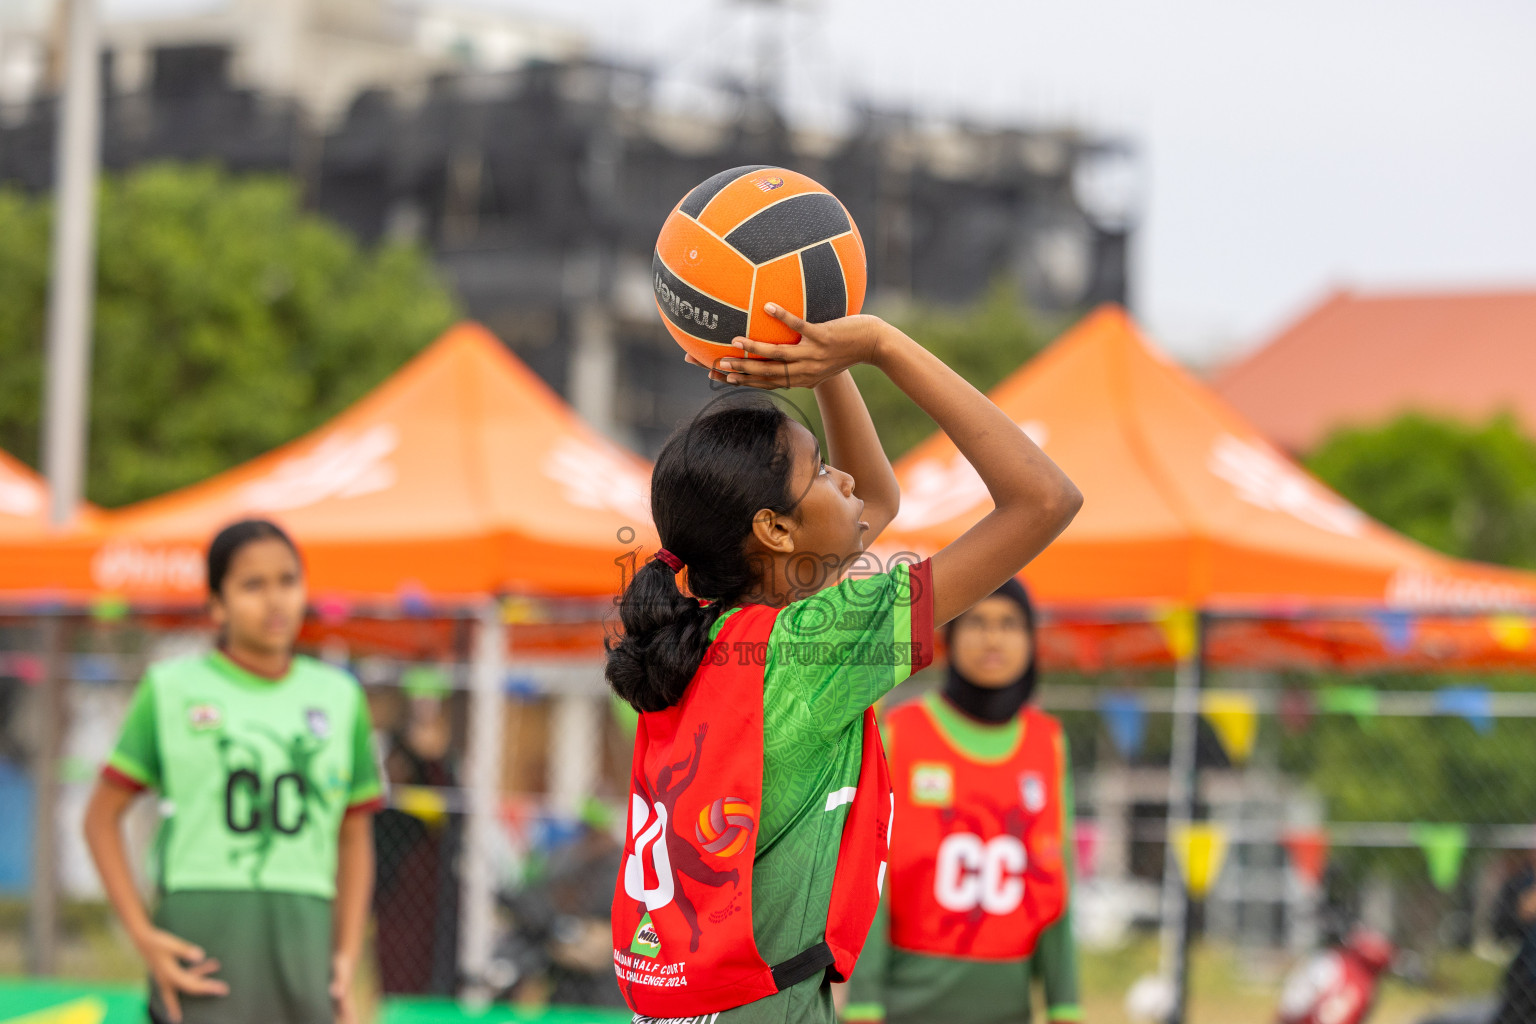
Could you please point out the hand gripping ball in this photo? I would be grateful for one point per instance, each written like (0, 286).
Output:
(746, 237)
(725, 826)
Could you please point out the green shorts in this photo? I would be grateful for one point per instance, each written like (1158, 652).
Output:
(274, 952)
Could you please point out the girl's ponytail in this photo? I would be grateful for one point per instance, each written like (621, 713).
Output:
(666, 634)
(711, 478)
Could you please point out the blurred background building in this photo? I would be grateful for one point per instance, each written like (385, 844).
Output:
(1360, 359)
(538, 176)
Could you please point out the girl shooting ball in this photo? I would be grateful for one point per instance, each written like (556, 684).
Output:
(264, 765)
(760, 804)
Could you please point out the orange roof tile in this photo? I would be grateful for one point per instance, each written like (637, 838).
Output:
(1366, 358)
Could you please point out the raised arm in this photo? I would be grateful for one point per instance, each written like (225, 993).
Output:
(854, 447)
(1033, 499)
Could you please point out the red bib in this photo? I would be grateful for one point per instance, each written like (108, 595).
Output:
(976, 863)
(682, 909)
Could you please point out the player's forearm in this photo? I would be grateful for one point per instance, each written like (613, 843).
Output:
(854, 447)
(104, 838)
(1016, 472)
(1033, 499)
(354, 884)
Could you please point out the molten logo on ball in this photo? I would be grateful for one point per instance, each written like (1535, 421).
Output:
(725, 826)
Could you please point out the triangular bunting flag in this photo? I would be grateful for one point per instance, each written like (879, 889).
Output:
(1085, 838)
(424, 804)
(1511, 632)
(1360, 701)
(1397, 629)
(332, 608)
(516, 611)
(426, 680)
(1295, 710)
(1444, 848)
(1308, 850)
(1234, 720)
(1180, 628)
(1201, 850)
(109, 608)
(1126, 719)
(1474, 703)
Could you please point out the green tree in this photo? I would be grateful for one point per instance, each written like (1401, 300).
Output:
(984, 343)
(1469, 491)
(1466, 490)
(228, 320)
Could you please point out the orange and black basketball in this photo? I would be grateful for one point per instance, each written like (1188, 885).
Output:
(749, 236)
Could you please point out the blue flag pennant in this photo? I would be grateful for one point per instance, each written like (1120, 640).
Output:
(1474, 703)
(1126, 719)
(1397, 630)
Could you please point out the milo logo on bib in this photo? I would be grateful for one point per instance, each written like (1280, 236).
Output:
(647, 942)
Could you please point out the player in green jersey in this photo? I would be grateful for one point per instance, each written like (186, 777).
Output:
(264, 766)
(990, 677)
(743, 498)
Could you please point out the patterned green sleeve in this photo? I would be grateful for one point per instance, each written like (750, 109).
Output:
(1055, 959)
(367, 792)
(135, 761)
(842, 649)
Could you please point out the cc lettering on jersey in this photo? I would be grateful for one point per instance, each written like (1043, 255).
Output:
(973, 873)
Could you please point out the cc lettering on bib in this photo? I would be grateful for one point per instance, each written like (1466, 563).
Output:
(974, 873)
(976, 859)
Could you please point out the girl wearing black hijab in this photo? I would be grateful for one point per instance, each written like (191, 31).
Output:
(976, 901)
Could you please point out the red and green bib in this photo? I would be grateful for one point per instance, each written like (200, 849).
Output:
(683, 942)
(976, 859)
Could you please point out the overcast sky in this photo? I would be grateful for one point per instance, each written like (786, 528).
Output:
(1287, 147)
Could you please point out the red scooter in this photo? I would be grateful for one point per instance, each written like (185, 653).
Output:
(1337, 986)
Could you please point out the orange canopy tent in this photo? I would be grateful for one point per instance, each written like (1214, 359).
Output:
(462, 475)
(1188, 507)
(24, 503)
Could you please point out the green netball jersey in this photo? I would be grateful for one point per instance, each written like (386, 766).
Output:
(829, 657)
(255, 774)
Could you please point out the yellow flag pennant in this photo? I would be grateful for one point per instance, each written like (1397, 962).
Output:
(1511, 632)
(1234, 718)
(423, 804)
(1201, 850)
(1180, 628)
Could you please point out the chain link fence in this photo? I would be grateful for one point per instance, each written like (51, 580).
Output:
(1320, 802)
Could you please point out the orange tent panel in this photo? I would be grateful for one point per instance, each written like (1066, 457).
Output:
(1184, 502)
(461, 475)
(24, 503)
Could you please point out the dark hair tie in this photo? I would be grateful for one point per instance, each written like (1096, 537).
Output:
(670, 560)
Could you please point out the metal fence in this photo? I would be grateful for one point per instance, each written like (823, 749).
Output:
(1292, 806)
